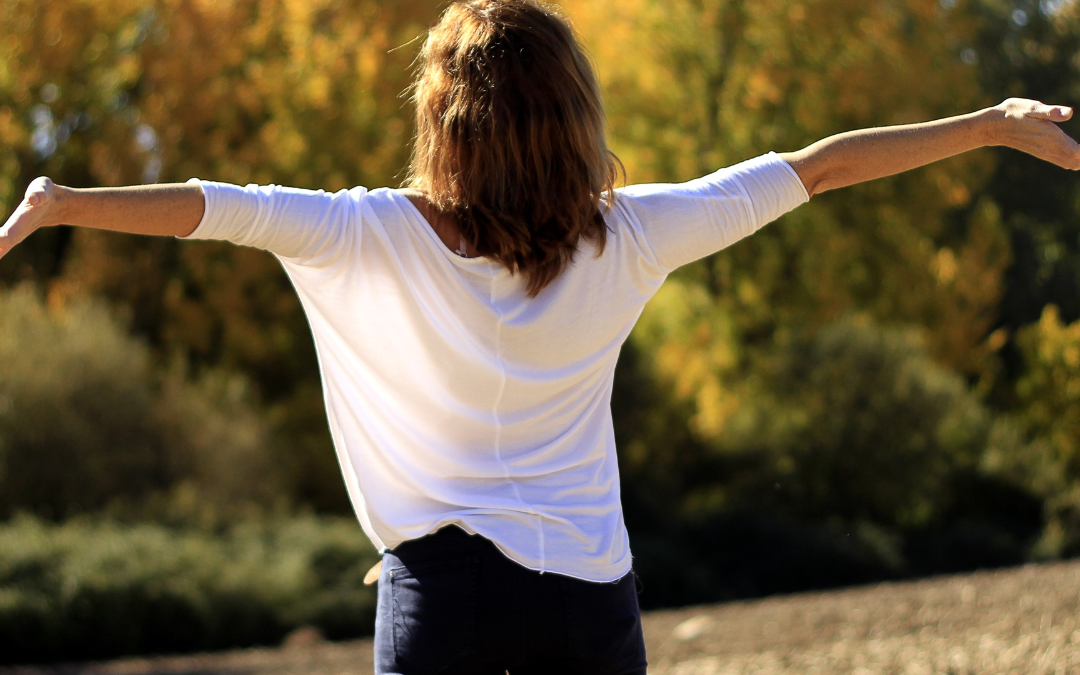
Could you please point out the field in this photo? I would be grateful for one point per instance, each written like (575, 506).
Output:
(1024, 620)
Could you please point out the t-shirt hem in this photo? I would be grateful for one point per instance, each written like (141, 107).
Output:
(625, 565)
(793, 174)
(204, 222)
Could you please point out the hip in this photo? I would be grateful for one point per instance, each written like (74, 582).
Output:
(451, 602)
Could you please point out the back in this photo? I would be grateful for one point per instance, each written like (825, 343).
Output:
(452, 396)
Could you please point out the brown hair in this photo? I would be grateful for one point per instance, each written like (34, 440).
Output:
(510, 135)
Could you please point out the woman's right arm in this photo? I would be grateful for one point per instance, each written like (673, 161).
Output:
(302, 225)
(171, 210)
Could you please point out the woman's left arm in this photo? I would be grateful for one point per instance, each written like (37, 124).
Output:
(858, 156)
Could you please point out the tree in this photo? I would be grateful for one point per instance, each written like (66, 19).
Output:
(127, 91)
(1028, 49)
(693, 86)
(1049, 412)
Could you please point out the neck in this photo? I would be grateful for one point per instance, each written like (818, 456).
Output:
(443, 225)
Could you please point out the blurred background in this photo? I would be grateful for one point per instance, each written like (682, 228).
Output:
(883, 384)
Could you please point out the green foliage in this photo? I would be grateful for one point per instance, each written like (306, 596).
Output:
(77, 425)
(1028, 48)
(108, 92)
(766, 442)
(855, 421)
(852, 452)
(714, 82)
(87, 422)
(1047, 457)
(93, 589)
(860, 424)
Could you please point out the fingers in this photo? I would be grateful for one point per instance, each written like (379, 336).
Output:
(1047, 141)
(1054, 113)
(9, 232)
(40, 190)
(1032, 127)
(1057, 147)
(30, 215)
(1068, 150)
(1017, 108)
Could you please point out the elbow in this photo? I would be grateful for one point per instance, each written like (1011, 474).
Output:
(813, 187)
(823, 183)
(812, 173)
(823, 178)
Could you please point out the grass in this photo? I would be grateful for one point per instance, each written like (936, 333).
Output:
(95, 589)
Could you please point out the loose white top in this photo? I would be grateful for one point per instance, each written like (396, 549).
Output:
(453, 397)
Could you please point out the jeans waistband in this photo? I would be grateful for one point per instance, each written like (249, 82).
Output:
(448, 541)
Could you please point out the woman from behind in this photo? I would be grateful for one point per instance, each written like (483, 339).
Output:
(468, 327)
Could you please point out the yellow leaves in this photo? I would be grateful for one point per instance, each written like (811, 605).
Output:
(95, 49)
(127, 70)
(1050, 387)
(996, 340)
(761, 89)
(953, 186)
(715, 406)
(945, 266)
(695, 350)
(291, 146)
(1053, 342)
(11, 132)
(721, 80)
(1071, 356)
(300, 92)
(970, 283)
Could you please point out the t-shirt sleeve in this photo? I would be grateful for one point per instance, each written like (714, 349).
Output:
(683, 222)
(305, 226)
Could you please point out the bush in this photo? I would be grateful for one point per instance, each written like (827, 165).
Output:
(860, 424)
(95, 589)
(86, 421)
(1047, 455)
(841, 458)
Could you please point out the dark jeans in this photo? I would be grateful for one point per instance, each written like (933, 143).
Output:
(453, 603)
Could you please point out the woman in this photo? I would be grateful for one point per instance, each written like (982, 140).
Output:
(467, 327)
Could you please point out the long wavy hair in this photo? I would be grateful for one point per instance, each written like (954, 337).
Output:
(510, 135)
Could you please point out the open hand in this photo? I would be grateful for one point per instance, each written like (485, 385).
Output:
(39, 208)
(1032, 127)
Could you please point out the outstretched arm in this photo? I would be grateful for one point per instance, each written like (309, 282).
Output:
(858, 156)
(164, 210)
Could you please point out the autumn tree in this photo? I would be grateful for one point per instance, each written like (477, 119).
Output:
(309, 93)
(129, 91)
(692, 86)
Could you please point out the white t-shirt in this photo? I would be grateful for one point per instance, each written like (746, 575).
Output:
(453, 397)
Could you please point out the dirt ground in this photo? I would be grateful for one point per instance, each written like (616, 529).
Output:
(1024, 620)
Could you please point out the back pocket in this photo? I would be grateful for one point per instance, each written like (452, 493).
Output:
(434, 606)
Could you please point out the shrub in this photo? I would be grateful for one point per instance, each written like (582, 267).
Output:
(1047, 457)
(842, 457)
(86, 421)
(859, 423)
(95, 589)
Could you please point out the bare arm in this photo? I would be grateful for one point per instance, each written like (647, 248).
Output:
(857, 156)
(163, 210)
